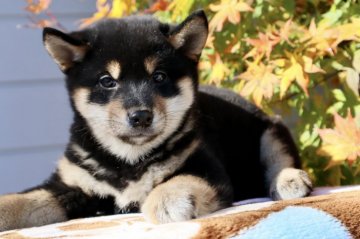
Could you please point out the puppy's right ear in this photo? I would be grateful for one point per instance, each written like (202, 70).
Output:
(63, 48)
(190, 35)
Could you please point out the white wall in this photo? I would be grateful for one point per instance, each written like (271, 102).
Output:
(34, 110)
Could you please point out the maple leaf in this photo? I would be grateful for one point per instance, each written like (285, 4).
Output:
(105, 9)
(121, 8)
(35, 8)
(266, 42)
(263, 45)
(159, 5)
(342, 142)
(325, 38)
(102, 11)
(346, 32)
(260, 81)
(38, 6)
(284, 31)
(218, 69)
(210, 41)
(232, 45)
(296, 68)
(293, 72)
(44, 23)
(180, 8)
(227, 10)
(320, 38)
(309, 66)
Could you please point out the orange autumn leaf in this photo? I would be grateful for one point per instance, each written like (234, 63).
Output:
(343, 141)
(102, 10)
(262, 45)
(294, 72)
(105, 9)
(297, 68)
(320, 38)
(218, 69)
(346, 32)
(44, 23)
(227, 10)
(266, 42)
(324, 39)
(159, 5)
(285, 31)
(232, 45)
(260, 81)
(38, 6)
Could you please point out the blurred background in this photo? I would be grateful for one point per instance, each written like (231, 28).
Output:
(296, 58)
(34, 110)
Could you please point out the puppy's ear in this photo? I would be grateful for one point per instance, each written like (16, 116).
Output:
(63, 48)
(190, 35)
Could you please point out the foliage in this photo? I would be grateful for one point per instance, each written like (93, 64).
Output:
(299, 59)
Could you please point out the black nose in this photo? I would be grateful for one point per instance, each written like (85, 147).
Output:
(140, 118)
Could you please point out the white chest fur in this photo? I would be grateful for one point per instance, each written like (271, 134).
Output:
(136, 191)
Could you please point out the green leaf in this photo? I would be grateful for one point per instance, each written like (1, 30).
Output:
(305, 136)
(330, 18)
(257, 11)
(339, 95)
(335, 107)
(337, 66)
(356, 61)
(352, 80)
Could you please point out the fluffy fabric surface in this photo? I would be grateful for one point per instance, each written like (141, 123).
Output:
(334, 215)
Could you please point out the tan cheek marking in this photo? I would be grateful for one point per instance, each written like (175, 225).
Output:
(114, 68)
(150, 64)
(80, 97)
(88, 110)
(80, 93)
(160, 104)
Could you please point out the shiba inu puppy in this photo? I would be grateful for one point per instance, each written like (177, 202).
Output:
(146, 138)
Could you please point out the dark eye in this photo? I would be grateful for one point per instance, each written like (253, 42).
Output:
(107, 82)
(159, 76)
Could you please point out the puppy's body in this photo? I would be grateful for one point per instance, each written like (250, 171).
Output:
(145, 138)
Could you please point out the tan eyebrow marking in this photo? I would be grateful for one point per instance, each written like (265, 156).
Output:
(114, 68)
(150, 64)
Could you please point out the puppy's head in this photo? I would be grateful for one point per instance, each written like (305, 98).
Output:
(132, 79)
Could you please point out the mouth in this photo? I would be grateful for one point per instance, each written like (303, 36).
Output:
(138, 136)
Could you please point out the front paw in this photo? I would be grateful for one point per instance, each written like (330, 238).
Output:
(164, 207)
(290, 183)
(179, 199)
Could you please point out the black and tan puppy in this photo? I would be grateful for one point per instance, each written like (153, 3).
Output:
(145, 138)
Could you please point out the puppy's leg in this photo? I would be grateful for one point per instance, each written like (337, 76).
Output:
(280, 157)
(34, 208)
(181, 198)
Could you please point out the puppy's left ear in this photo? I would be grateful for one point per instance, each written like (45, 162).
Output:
(190, 36)
(64, 48)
